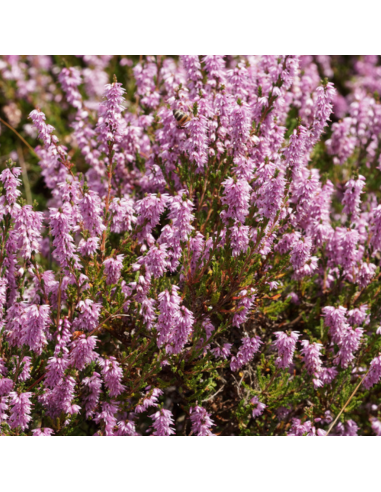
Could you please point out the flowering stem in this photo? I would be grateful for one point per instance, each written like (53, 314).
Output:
(107, 205)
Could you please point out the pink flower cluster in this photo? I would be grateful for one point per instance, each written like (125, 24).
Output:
(191, 240)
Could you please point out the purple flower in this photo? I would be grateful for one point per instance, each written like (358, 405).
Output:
(127, 428)
(169, 241)
(290, 70)
(56, 368)
(301, 251)
(201, 422)
(82, 352)
(3, 369)
(44, 131)
(145, 81)
(149, 211)
(240, 128)
(239, 236)
(36, 328)
(375, 229)
(42, 432)
(287, 242)
(3, 409)
(52, 166)
(148, 312)
(244, 306)
(27, 231)
(236, 197)
(175, 322)
(61, 224)
(112, 376)
(351, 200)
(271, 196)
(197, 245)
(150, 400)
(342, 143)
(223, 352)
(169, 305)
(376, 426)
(244, 167)
(3, 299)
(162, 422)
(88, 247)
(181, 215)
(259, 407)
(239, 80)
(113, 267)
(20, 410)
(6, 386)
(335, 319)
(299, 429)
(85, 137)
(90, 208)
(249, 348)
(349, 429)
(327, 375)
(60, 398)
(215, 66)
(285, 345)
(142, 287)
(196, 145)
(70, 79)
(374, 374)
(24, 368)
(93, 389)
(323, 110)
(274, 285)
(349, 343)
(155, 261)
(193, 67)
(58, 364)
(15, 322)
(357, 316)
(365, 274)
(349, 242)
(182, 330)
(122, 215)
(312, 361)
(88, 318)
(107, 416)
(11, 182)
(109, 123)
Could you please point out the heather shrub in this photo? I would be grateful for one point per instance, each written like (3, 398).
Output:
(190, 245)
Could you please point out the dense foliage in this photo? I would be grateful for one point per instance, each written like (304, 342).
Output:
(190, 245)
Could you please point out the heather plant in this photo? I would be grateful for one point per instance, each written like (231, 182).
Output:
(202, 253)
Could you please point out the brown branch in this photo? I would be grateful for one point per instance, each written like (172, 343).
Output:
(20, 137)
